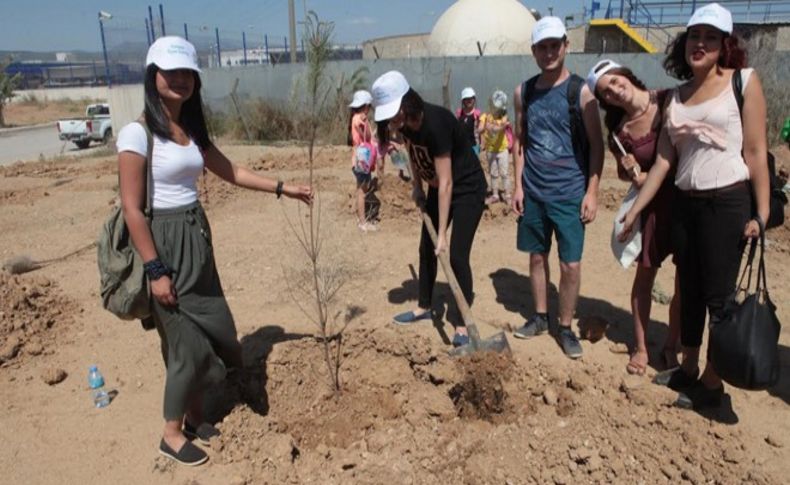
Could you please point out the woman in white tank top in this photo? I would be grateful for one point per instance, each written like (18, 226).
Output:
(717, 159)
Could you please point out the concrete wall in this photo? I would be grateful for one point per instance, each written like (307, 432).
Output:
(485, 74)
(396, 47)
(126, 104)
(55, 94)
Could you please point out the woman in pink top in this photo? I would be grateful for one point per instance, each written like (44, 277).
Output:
(364, 154)
(633, 116)
(718, 159)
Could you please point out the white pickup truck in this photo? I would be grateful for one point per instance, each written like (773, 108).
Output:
(95, 126)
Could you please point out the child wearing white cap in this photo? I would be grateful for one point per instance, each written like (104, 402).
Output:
(160, 159)
(364, 154)
(469, 116)
(558, 153)
(719, 158)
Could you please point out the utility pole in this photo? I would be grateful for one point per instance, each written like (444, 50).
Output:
(292, 28)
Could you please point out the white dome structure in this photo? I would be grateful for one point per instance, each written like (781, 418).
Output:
(501, 27)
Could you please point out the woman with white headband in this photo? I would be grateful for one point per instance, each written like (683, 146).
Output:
(198, 335)
(719, 157)
(633, 116)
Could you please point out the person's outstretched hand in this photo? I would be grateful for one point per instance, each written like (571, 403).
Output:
(303, 193)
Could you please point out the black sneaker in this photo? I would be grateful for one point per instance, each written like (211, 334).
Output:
(569, 343)
(676, 379)
(697, 397)
(203, 432)
(535, 326)
(189, 454)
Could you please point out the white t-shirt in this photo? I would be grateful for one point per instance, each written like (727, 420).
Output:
(175, 168)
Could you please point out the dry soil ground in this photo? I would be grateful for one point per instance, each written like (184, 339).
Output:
(408, 413)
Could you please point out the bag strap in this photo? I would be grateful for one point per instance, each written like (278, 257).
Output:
(148, 167)
(737, 90)
(578, 133)
(527, 89)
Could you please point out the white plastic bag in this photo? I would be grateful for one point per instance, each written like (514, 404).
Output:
(627, 252)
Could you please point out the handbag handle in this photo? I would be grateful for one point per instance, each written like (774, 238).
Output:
(148, 167)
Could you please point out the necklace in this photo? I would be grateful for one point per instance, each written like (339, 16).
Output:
(643, 110)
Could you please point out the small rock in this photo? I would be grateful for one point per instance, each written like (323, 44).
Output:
(34, 348)
(594, 463)
(774, 441)
(53, 376)
(618, 348)
(550, 396)
(237, 480)
(9, 350)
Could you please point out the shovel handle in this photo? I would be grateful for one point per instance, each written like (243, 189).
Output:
(463, 306)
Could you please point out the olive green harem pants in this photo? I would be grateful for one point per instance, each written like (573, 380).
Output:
(198, 335)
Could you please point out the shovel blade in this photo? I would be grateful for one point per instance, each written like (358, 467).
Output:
(496, 343)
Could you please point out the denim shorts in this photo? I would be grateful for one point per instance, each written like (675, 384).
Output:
(541, 219)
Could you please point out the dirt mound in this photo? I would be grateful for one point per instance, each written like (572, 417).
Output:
(481, 393)
(58, 169)
(612, 198)
(32, 309)
(397, 420)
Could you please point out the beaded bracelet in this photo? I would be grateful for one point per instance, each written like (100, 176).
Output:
(155, 269)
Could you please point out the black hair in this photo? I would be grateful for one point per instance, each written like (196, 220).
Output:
(412, 106)
(191, 118)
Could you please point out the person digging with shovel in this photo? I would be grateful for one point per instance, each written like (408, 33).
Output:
(443, 157)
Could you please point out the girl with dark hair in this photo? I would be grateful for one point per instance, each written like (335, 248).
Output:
(441, 155)
(633, 116)
(721, 172)
(198, 335)
(364, 154)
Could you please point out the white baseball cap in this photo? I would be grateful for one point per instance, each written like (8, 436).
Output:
(172, 52)
(712, 14)
(388, 90)
(548, 28)
(499, 99)
(598, 70)
(360, 99)
(467, 93)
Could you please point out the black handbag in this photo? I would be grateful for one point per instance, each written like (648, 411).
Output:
(744, 342)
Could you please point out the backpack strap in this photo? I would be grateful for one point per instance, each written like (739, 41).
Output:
(148, 167)
(581, 146)
(737, 90)
(527, 89)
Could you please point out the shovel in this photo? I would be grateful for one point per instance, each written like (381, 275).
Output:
(497, 343)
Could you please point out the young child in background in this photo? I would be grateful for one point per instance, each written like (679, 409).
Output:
(469, 116)
(494, 127)
(363, 155)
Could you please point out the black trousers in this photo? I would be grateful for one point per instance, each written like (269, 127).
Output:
(707, 236)
(465, 214)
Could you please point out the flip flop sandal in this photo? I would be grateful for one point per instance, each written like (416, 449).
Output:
(407, 318)
(460, 340)
(203, 432)
(189, 454)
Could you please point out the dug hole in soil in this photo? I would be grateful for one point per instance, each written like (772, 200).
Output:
(408, 413)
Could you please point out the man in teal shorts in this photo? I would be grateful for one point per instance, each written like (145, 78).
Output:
(558, 151)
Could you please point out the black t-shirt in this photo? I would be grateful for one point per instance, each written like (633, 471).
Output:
(440, 134)
(468, 122)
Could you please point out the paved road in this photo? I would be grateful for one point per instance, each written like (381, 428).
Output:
(30, 144)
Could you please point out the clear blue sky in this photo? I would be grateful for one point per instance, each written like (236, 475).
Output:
(55, 25)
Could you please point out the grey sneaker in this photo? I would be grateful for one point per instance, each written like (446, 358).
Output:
(535, 326)
(569, 343)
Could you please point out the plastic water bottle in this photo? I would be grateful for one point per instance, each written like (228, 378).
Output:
(96, 383)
